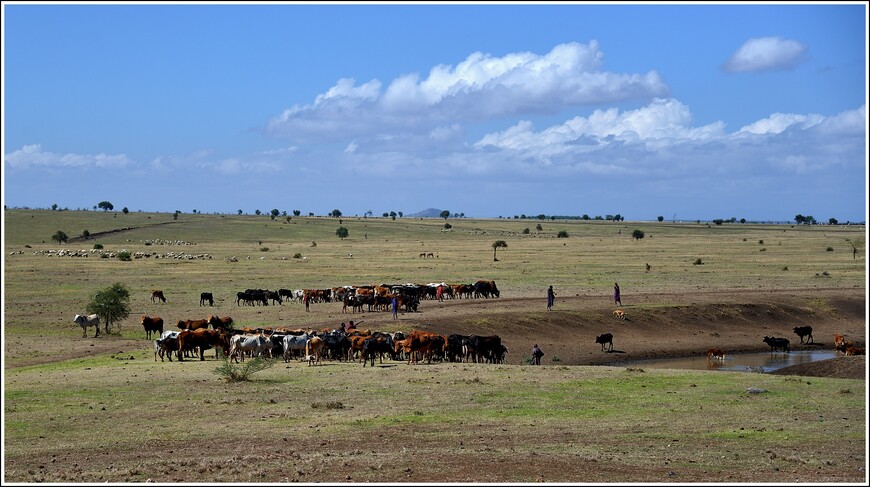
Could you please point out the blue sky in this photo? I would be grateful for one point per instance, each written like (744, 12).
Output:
(689, 111)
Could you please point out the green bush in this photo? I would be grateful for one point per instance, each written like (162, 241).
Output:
(264, 249)
(124, 255)
(297, 255)
(562, 234)
(242, 372)
(98, 246)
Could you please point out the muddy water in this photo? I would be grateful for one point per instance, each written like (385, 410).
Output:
(744, 362)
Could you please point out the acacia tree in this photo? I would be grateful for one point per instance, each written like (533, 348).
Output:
(342, 233)
(111, 304)
(445, 214)
(105, 205)
(495, 246)
(60, 237)
(637, 234)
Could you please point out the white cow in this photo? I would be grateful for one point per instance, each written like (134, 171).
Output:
(86, 321)
(294, 342)
(256, 344)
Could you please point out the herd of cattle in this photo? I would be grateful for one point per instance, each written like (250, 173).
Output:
(806, 332)
(195, 338)
(372, 297)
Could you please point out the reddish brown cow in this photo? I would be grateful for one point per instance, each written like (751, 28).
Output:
(192, 324)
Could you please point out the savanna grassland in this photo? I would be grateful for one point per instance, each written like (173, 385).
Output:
(101, 409)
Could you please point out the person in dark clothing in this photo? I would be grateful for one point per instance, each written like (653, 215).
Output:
(616, 299)
(537, 353)
(551, 298)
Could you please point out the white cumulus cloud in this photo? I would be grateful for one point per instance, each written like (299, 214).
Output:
(766, 54)
(479, 88)
(34, 156)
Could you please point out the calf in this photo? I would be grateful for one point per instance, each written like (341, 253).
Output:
(777, 343)
(157, 294)
(619, 314)
(839, 341)
(804, 331)
(715, 353)
(203, 297)
(605, 339)
(850, 350)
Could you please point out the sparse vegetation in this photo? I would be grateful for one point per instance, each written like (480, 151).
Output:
(242, 372)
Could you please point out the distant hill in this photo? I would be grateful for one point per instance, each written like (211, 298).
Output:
(427, 213)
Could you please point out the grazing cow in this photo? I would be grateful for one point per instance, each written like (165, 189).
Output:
(285, 293)
(619, 314)
(157, 294)
(839, 341)
(804, 331)
(86, 321)
(150, 324)
(313, 350)
(605, 339)
(775, 343)
(256, 344)
(715, 353)
(203, 297)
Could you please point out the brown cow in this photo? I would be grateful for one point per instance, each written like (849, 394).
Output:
(201, 339)
(715, 353)
(157, 294)
(313, 350)
(192, 324)
(216, 322)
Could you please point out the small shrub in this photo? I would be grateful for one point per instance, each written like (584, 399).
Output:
(698, 262)
(761, 242)
(526, 231)
(562, 234)
(313, 243)
(124, 255)
(554, 358)
(762, 249)
(327, 405)
(231, 372)
(785, 267)
(98, 246)
(148, 242)
(447, 226)
(829, 249)
(297, 255)
(264, 249)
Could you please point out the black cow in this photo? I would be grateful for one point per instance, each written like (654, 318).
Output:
(336, 345)
(286, 293)
(203, 297)
(454, 347)
(152, 325)
(775, 343)
(605, 339)
(804, 331)
(377, 345)
(483, 348)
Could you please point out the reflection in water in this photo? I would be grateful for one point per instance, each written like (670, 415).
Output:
(743, 362)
